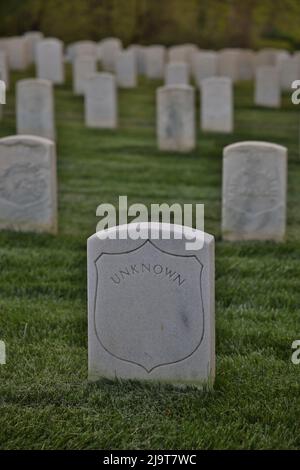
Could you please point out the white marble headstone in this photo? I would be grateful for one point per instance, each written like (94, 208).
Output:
(126, 69)
(110, 47)
(50, 60)
(177, 54)
(177, 73)
(176, 118)
(35, 108)
(83, 48)
(32, 39)
(155, 62)
(217, 104)
(254, 191)
(83, 67)
(228, 63)
(17, 51)
(205, 65)
(267, 86)
(140, 59)
(100, 100)
(151, 309)
(267, 56)
(28, 184)
(289, 71)
(246, 64)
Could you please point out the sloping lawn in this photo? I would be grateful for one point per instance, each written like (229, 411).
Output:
(46, 401)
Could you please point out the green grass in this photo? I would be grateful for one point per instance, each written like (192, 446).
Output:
(46, 401)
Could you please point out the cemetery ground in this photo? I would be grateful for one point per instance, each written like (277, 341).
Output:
(46, 401)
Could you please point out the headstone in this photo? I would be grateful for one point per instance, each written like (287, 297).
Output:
(267, 86)
(17, 51)
(217, 104)
(126, 69)
(155, 62)
(3, 44)
(83, 48)
(246, 64)
(49, 60)
(205, 65)
(4, 72)
(32, 38)
(151, 308)
(177, 54)
(101, 101)
(266, 56)
(83, 68)
(254, 191)
(282, 55)
(177, 73)
(228, 63)
(140, 59)
(190, 51)
(110, 47)
(289, 71)
(28, 184)
(176, 118)
(296, 58)
(35, 109)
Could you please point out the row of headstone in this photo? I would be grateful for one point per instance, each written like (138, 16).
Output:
(270, 80)
(237, 64)
(267, 84)
(20, 50)
(254, 185)
(176, 112)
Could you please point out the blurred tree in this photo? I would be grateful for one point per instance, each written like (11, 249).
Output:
(241, 22)
(212, 23)
(208, 23)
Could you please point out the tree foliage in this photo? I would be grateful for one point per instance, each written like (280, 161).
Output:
(208, 23)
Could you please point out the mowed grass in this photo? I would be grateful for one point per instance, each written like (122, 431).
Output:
(46, 401)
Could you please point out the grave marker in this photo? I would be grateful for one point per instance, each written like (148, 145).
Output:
(28, 184)
(254, 191)
(176, 118)
(151, 308)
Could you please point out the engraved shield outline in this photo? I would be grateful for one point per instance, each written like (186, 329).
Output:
(250, 163)
(43, 165)
(201, 312)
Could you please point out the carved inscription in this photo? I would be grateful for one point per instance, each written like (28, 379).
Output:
(141, 268)
(23, 184)
(254, 188)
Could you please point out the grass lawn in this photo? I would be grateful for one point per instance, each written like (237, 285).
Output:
(46, 401)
